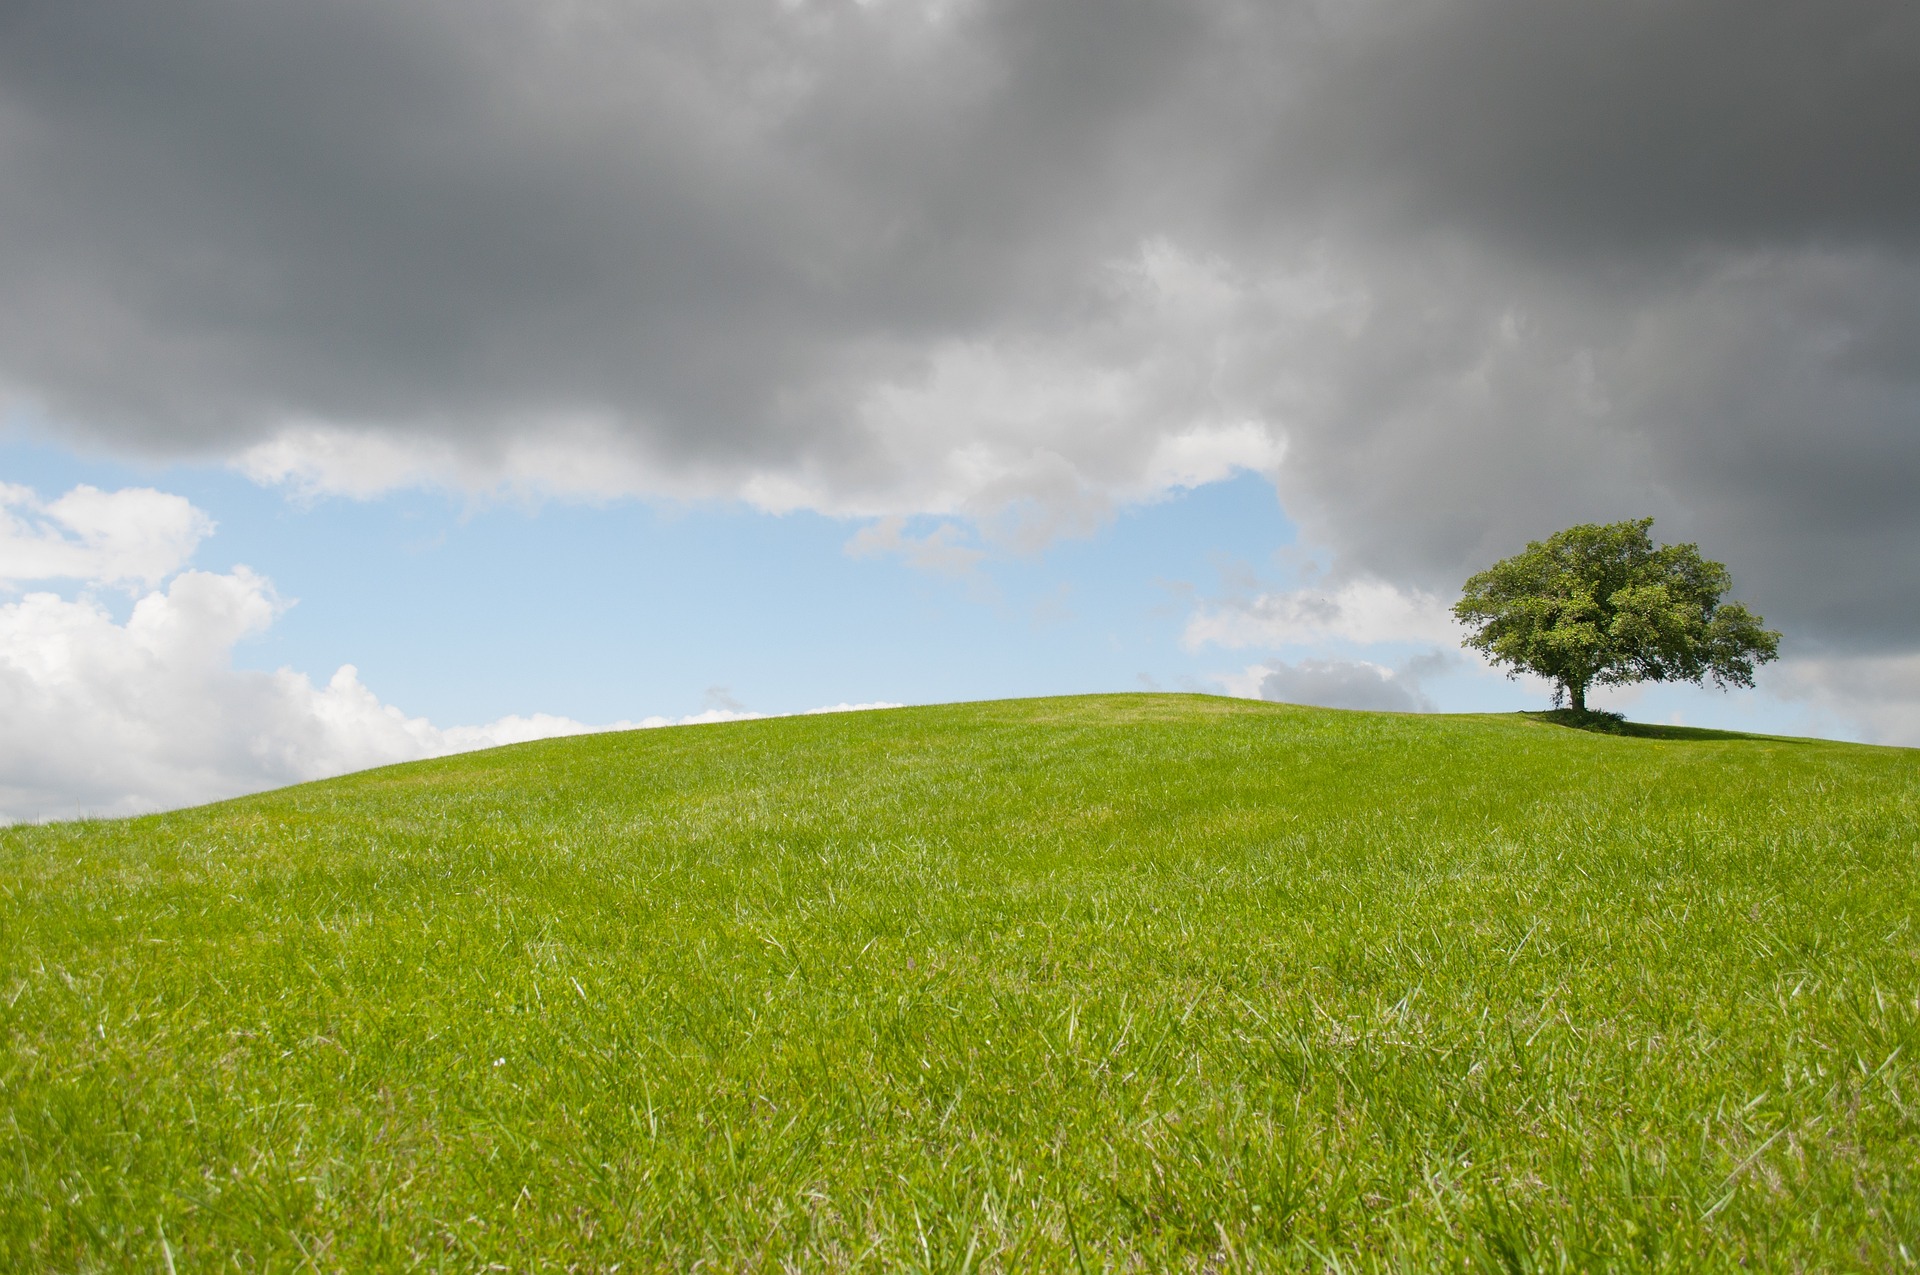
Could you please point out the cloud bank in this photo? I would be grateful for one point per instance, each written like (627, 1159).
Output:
(1452, 275)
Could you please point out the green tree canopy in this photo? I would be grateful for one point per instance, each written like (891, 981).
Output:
(1599, 605)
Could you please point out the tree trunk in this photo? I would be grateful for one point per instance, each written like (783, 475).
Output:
(1577, 692)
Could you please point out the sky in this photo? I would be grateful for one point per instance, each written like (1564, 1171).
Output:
(378, 381)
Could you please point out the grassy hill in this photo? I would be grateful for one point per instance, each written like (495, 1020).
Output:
(1125, 982)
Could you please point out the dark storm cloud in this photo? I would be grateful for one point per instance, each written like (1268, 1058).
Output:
(218, 210)
(1626, 257)
(1618, 126)
(1487, 266)
(1748, 402)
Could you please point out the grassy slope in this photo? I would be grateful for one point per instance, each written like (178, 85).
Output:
(1044, 984)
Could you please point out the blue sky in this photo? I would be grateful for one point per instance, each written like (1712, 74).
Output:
(465, 609)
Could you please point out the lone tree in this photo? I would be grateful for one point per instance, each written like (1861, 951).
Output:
(1599, 605)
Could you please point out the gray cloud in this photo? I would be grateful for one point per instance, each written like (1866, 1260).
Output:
(1487, 267)
(1616, 130)
(705, 220)
(1344, 684)
(1876, 697)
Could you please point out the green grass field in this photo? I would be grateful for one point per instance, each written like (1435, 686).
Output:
(1121, 983)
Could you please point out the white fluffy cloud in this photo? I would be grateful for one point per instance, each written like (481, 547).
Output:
(136, 535)
(1362, 611)
(109, 717)
(100, 716)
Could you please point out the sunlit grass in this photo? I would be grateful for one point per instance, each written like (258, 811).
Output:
(1120, 982)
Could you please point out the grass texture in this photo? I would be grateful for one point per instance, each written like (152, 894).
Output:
(1106, 983)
